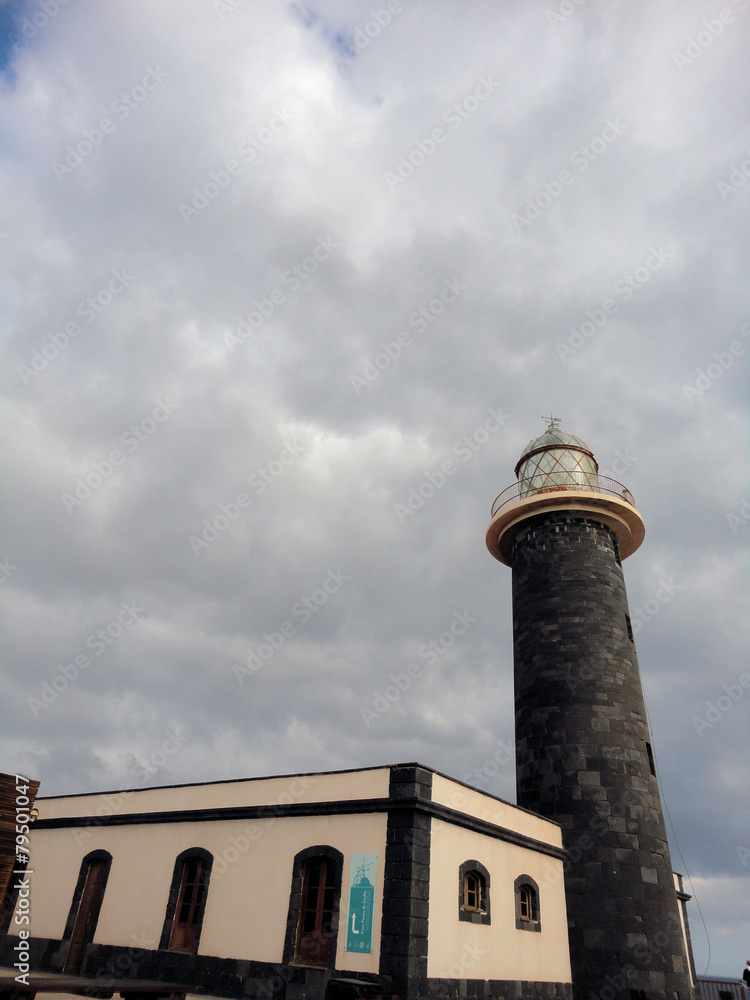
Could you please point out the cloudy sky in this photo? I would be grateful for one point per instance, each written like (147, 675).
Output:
(287, 289)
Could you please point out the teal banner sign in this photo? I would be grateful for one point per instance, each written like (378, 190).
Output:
(362, 874)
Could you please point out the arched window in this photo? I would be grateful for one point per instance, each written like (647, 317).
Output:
(187, 901)
(312, 921)
(84, 910)
(474, 893)
(527, 904)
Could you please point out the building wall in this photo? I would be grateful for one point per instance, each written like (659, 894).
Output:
(332, 786)
(248, 897)
(458, 949)
(480, 805)
(420, 825)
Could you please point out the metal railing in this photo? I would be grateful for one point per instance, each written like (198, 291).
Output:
(715, 988)
(550, 483)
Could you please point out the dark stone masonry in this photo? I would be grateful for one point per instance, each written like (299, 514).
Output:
(583, 759)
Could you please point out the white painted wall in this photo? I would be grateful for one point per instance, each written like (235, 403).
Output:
(248, 898)
(493, 810)
(457, 949)
(333, 786)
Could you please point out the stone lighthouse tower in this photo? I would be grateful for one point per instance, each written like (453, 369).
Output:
(583, 748)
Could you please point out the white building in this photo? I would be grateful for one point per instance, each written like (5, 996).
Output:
(397, 876)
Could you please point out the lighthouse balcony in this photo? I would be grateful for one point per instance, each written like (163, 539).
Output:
(555, 481)
(577, 493)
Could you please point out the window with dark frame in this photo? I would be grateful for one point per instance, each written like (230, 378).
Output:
(189, 905)
(186, 904)
(314, 902)
(316, 912)
(474, 893)
(84, 912)
(527, 904)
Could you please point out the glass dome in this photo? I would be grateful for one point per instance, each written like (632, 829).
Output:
(554, 461)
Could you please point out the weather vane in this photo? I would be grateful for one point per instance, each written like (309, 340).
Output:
(554, 422)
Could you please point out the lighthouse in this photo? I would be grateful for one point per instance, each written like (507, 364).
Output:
(583, 747)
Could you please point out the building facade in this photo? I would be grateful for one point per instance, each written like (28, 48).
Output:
(392, 881)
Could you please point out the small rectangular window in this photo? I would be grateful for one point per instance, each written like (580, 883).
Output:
(472, 891)
(527, 904)
(524, 903)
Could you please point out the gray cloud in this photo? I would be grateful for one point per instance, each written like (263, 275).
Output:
(282, 127)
